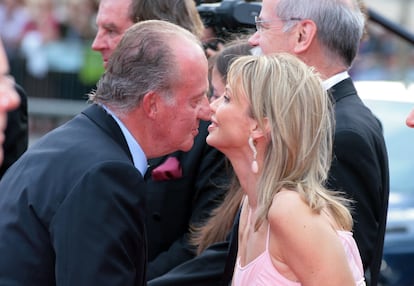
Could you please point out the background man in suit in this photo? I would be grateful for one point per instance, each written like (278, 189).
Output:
(71, 208)
(326, 35)
(174, 203)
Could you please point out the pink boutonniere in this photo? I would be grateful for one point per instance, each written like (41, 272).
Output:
(169, 170)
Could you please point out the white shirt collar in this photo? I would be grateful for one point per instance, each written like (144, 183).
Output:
(138, 156)
(330, 82)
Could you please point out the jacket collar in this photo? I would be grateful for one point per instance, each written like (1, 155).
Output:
(343, 89)
(107, 123)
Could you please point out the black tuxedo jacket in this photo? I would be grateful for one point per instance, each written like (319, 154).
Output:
(173, 205)
(360, 169)
(17, 132)
(213, 267)
(71, 209)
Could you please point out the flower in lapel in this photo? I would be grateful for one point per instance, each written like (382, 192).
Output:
(169, 170)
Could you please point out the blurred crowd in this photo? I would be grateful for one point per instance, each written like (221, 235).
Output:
(384, 56)
(48, 43)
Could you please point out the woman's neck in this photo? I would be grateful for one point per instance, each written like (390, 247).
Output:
(248, 180)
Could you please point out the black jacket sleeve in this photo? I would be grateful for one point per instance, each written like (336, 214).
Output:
(203, 270)
(213, 267)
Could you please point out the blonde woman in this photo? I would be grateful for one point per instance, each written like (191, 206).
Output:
(275, 124)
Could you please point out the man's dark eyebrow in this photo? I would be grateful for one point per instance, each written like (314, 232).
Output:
(110, 26)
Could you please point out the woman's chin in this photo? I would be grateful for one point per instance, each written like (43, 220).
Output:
(210, 139)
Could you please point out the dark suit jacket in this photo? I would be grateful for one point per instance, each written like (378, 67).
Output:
(213, 267)
(360, 169)
(71, 209)
(205, 269)
(17, 133)
(174, 205)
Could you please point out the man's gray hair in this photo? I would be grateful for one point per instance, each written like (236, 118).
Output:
(340, 24)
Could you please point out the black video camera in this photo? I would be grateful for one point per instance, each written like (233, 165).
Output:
(229, 17)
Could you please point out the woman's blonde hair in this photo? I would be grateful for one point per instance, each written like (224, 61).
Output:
(289, 95)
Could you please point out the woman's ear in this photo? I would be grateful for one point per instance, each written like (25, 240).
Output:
(305, 34)
(258, 132)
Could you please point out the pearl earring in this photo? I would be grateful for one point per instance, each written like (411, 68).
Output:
(255, 166)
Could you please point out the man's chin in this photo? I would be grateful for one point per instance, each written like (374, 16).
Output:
(187, 147)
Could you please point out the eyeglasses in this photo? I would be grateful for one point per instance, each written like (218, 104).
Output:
(259, 22)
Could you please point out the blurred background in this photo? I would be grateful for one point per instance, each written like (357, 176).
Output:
(48, 45)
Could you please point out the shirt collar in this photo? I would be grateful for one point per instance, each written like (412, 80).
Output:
(330, 82)
(138, 156)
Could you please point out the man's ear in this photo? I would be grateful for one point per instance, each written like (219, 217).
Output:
(150, 104)
(305, 34)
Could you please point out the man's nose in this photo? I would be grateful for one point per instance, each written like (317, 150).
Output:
(97, 43)
(253, 39)
(205, 110)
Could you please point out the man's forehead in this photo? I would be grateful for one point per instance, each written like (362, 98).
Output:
(120, 8)
(269, 6)
(113, 16)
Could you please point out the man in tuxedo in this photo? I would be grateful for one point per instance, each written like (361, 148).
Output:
(182, 187)
(326, 35)
(72, 207)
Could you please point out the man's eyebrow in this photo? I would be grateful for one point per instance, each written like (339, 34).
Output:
(110, 26)
(200, 95)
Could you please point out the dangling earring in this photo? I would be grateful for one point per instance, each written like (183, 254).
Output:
(255, 167)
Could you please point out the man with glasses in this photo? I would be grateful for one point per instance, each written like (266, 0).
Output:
(326, 34)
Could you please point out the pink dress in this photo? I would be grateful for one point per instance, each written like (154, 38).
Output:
(261, 272)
